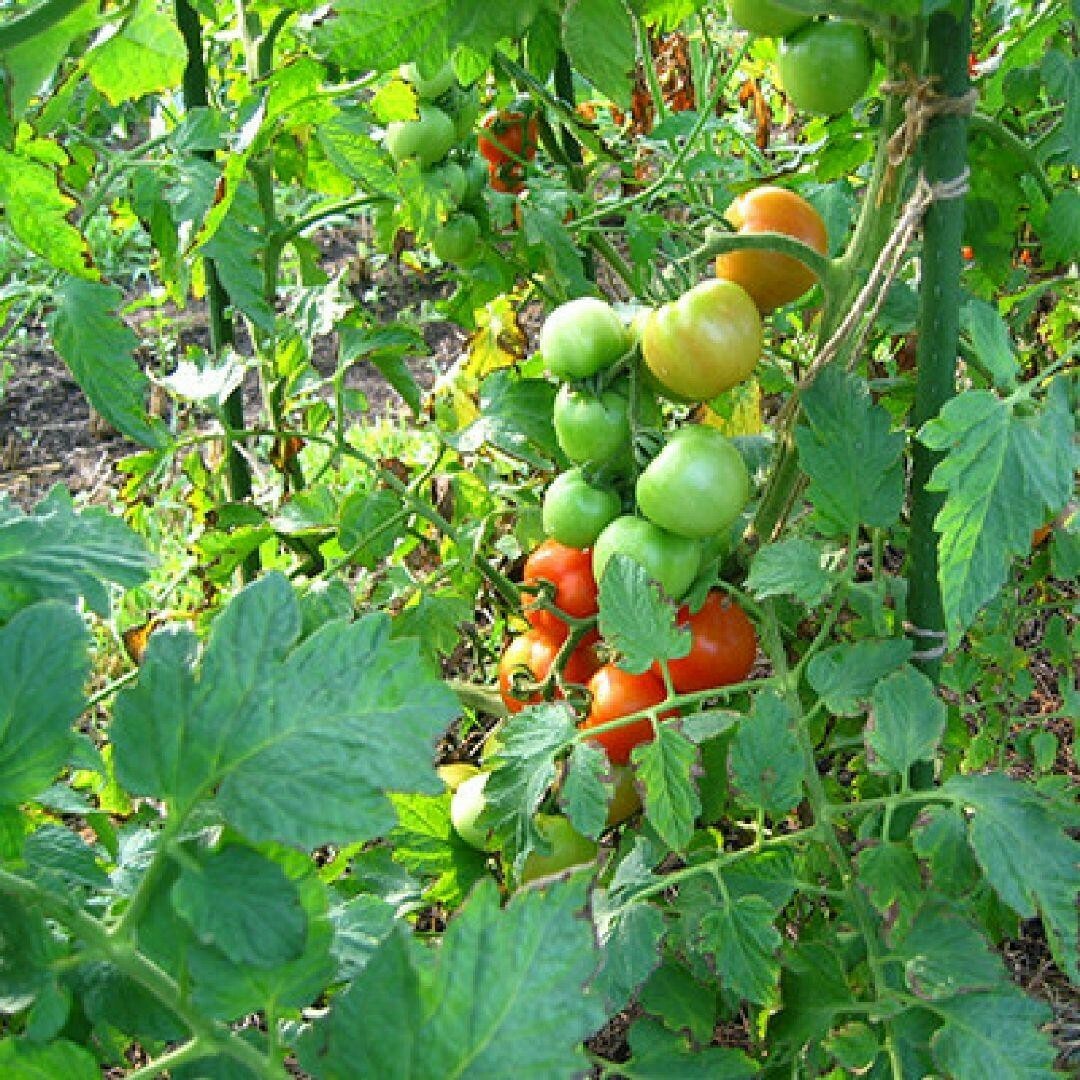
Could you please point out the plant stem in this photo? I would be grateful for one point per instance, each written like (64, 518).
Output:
(37, 21)
(945, 159)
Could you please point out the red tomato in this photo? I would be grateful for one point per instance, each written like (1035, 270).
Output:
(723, 646)
(507, 136)
(508, 177)
(535, 652)
(570, 571)
(617, 693)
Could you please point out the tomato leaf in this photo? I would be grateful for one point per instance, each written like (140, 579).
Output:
(1003, 474)
(814, 990)
(746, 944)
(636, 619)
(22, 1058)
(43, 666)
(504, 991)
(425, 842)
(994, 1034)
(790, 568)
(674, 995)
(295, 745)
(944, 954)
(906, 724)
(57, 553)
(524, 770)
(98, 348)
(631, 950)
(853, 457)
(378, 35)
(845, 675)
(665, 766)
(659, 1054)
(147, 55)
(24, 955)
(1017, 837)
(599, 38)
(765, 759)
(889, 874)
(584, 796)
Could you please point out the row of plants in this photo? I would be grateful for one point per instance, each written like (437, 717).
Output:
(646, 672)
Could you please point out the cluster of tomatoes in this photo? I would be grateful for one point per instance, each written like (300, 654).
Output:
(436, 140)
(824, 66)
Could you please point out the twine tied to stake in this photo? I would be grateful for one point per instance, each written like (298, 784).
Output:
(936, 652)
(922, 103)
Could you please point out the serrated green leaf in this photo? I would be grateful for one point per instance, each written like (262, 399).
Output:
(659, 1054)
(236, 250)
(1060, 232)
(889, 873)
(516, 415)
(854, 1045)
(378, 35)
(769, 874)
(814, 991)
(346, 140)
(503, 994)
(664, 766)
(994, 1034)
(56, 553)
(98, 348)
(851, 455)
(21, 1059)
(43, 667)
(636, 619)
(944, 954)
(1003, 475)
(56, 852)
(545, 231)
(147, 55)
(367, 530)
(746, 945)
(583, 796)
(676, 997)
(243, 904)
(24, 955)
(906, 724)
(524, 770)
(790, 568)
(988, 335)
(1017, 837)
(299, 742)
(630, 946)
(425, 842)
(361, 925)
(599, 38)
(765, 760)
(845, 675)
(37, 212)
(940, 837)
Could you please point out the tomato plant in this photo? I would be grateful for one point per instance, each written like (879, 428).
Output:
(723, 646)
(772, 278)
(582, 337)
(576, 511)
(570, 571)
(696, 486)
(533, 654)
(615, 693)
(672, 561)
(826, 67)
(705, 342)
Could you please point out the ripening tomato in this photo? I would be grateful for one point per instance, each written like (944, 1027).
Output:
(508, 135)
(826, 67)
(581, 337)
(723, 646)
(534, 652)
(770, 277)
(569, 849)
(427, 138)
(696, 486)
(508, 178)
(703, 343)
(616, 693)
(570, 571)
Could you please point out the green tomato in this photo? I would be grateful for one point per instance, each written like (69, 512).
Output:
(696, 486)
(467, 804)
(595, 428)
(826, 67)
(625, 799)
(427, 139)
(427, 89)
(670, 560)
(456, 240)
(765, 17)
(465, 109)
(575, 511)
(568, 849)
(456, 773)
(582, 337)
(476, 180)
